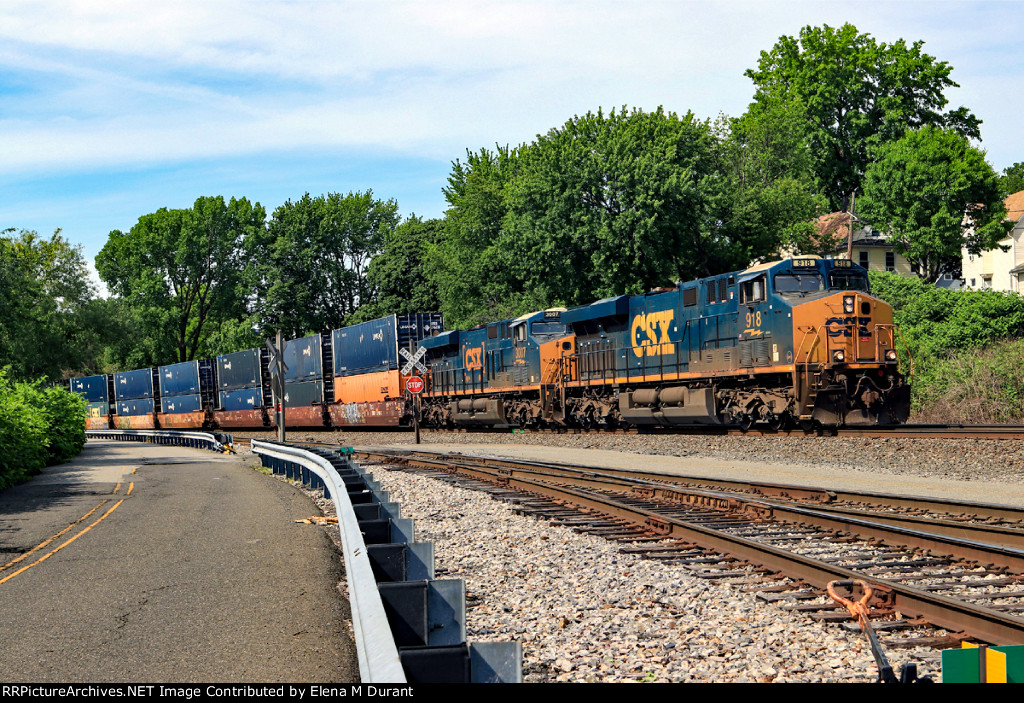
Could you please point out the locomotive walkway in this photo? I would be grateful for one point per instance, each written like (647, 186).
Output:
(167, 564)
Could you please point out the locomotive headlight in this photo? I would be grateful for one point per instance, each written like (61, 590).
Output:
(838, 356)
(848, 304)
(890, 355)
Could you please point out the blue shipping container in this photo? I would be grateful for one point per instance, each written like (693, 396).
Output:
(179, 379)
(92, 388)
(412, 327)
(139, 406)
(129, 385)
(298, 395)
(369, 346)
(373, 346)
(303, 359)
(244, 399)
(181, 404)
(239, 370)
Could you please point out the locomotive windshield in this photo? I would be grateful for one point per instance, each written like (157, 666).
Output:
(799, 283)
(848, 280)
(542, 329)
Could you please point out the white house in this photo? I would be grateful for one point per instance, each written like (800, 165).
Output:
(998, 269)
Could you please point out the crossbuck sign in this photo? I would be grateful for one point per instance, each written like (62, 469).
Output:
(413, 360)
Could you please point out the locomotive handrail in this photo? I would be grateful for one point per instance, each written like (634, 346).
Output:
(377, 652)
(815, 337)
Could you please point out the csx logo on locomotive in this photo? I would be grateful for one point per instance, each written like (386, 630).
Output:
(474, 358)
(650, 333)
(843, 326)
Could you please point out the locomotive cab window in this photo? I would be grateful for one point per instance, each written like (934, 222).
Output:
(753, 291)
(799, 283)
(848, 280)
(549, 329)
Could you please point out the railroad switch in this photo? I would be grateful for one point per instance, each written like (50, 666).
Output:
(860, 612)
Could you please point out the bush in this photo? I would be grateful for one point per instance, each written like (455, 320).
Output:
(979, 387)
(966, 349)
(37, 427)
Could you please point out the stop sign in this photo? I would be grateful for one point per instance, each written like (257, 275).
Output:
(414, 384)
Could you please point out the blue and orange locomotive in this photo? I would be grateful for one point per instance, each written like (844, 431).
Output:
(794, 341)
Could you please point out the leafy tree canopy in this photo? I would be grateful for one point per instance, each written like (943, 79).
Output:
(610, 204)
(1012, 179)
(179, 272)
(467, 265)
(857, 94)
(314, 257)
(45, 296)
(398, 276)
(934, 194)
(764, 195)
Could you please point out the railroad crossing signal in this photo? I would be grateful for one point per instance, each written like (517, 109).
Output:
(414, 384)
(413, 361)
(276, 359)
(277, 368)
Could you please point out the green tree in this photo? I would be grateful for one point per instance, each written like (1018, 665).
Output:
(764, 195)
(857, 94)
(933, 194)
(45, 297)
(398, 275)
(1012, 179)
(180, 273)
(612, 204)
(468, 265)
(313, 260)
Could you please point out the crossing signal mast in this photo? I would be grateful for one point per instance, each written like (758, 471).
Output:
(277, 371)
(414, 384)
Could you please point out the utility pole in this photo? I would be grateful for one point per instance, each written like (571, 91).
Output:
(281, 401)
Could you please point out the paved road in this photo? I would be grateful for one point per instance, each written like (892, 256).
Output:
(180, 565)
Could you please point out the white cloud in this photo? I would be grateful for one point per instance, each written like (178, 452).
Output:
(124, 83)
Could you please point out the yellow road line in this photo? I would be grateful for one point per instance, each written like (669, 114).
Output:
(51, 553)
(47, 541)
(116, 488)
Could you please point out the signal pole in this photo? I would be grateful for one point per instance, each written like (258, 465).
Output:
(280, 376)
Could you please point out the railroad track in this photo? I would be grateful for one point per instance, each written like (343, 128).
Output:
(923, 431)
(957, 566)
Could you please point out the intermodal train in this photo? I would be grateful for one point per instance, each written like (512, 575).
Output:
(798, 341)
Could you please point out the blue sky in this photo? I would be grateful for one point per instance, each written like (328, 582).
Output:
(112, 109)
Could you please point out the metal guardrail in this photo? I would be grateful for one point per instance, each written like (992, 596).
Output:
(409, 628)
(217, 441)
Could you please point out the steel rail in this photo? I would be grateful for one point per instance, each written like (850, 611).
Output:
(966, 533)
(939, 431)
(959, 540)
(985, 623)
(777, 491)
(379, 661)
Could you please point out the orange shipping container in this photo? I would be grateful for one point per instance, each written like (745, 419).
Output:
(368, 387)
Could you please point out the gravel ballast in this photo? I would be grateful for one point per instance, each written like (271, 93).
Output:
(584, 611)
